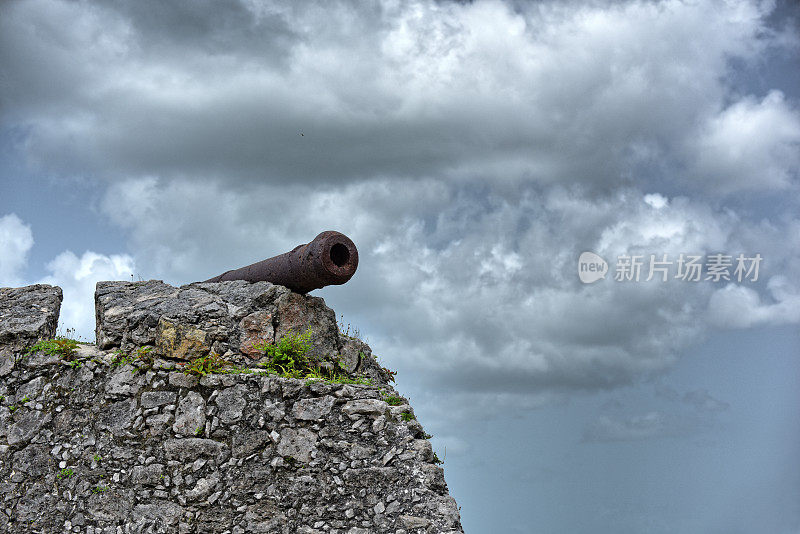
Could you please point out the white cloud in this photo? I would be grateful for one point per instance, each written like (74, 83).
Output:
(16, 240)
(77, 277)
(737, 306)
(750, 146)
(656, 200)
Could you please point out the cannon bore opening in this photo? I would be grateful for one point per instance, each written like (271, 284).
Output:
(329, 259)
(340, 255)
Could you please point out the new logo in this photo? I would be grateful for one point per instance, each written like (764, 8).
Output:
(591, 267)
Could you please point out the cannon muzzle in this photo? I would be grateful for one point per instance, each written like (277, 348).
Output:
(330, 259)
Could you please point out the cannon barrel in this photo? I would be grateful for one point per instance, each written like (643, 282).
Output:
(330, 259)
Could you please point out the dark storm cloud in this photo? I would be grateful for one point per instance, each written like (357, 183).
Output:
(639, 427)
(215, 27)
(451, 91)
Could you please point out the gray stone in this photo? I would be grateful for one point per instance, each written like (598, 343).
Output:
(229, 318)
(447, 509)
(41, 359)
(410, 521)
(27, 315)
(31, 460)
(313, 409)
(352, 352)
(296, 313)
(257, 330)
(191, 414)
(147, 474)
(357, 451)
(357, 358)
(158, 423)
(27, 426)
(274, 411)
(168, 513)
(118, 416)
(249, 442)
(202, 489)
(116, 506)
(372, 407)
(124, 382)
(231, 403)
(182, 380)
(193, 319)
(6, 361)
(424, 449)
(298, 444)
(151, 399)
(31, 389)
(192, 448)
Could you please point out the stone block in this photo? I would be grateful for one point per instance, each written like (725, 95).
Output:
(27, 315)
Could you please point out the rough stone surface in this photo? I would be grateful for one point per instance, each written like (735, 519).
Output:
(101, 448)
(257, 329)
(228, 318)
(27, 314)
(181, 341)
(273, 455)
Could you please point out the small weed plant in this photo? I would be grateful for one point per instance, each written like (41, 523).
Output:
(290, 358)
(204, 365)
(344, 379)
(14, 407)
(120, 358)
(61, 346)
(389, 374)
(65, 473)
(393, 400)
(347, 330)
(70, 333)
(142, 356)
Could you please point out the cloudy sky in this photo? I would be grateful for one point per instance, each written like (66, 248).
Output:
(472, 151)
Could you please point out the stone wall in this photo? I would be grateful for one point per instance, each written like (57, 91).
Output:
(27, 314)
(90, 445)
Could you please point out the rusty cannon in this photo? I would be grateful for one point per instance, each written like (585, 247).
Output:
(331, 258)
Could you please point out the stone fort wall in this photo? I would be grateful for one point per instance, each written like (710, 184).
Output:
(105, 442)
